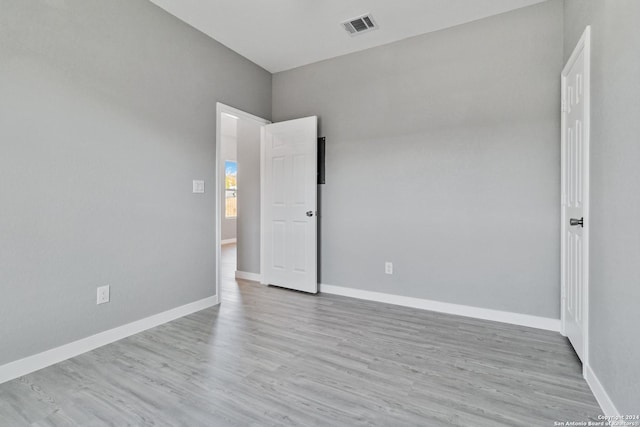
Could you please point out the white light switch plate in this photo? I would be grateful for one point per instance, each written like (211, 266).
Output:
(198, 186)
(103, 294)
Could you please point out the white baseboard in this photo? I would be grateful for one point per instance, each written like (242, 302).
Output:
(248, 276)
(228, 241)
(443, 307)
(600, 393)
(39, 361)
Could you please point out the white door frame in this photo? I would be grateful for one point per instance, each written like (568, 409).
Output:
(584, 45)
(220, 110)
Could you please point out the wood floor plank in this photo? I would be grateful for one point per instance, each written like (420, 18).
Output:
(272, 357)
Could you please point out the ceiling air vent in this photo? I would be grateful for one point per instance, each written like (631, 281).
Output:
(360, 25)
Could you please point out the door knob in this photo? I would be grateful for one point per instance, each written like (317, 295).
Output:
(309, 213)
(576, 221)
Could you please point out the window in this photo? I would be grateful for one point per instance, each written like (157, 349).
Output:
(230, 189)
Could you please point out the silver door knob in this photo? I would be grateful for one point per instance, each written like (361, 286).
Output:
(309, 213)
(576, 221)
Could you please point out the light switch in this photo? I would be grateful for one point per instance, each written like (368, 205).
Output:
(198, 186)
(104, 294)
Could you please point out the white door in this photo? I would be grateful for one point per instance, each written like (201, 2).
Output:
(289, 217)
(575, 197)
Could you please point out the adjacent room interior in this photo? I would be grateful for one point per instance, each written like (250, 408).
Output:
(305, 213)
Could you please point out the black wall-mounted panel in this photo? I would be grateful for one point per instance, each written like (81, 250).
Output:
(321, 150)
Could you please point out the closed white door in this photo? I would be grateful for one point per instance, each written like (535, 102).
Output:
(575, 197)
(289, 217)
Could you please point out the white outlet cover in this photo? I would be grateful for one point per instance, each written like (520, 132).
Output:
(198, 186)
(388, 267)
(103, 294)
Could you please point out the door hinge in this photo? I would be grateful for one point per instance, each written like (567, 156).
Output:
(563, 106)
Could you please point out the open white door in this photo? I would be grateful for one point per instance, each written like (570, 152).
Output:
(289, 217)
(575, 197)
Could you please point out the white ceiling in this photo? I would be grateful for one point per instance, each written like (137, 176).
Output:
(283, 34)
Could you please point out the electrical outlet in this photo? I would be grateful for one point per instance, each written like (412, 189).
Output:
(388, 267)
(103, 294)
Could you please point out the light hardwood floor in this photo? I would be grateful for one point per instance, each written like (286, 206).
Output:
(268, 356)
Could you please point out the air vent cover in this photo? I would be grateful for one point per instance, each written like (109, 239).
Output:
(360, 25)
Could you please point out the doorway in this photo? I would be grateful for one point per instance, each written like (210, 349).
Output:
(237, 196)
(229, 194)
(274, 173)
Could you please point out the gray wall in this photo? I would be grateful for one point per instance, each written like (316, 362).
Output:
(107, 113)
(248, 249)
(615, 207)
(443, 157)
